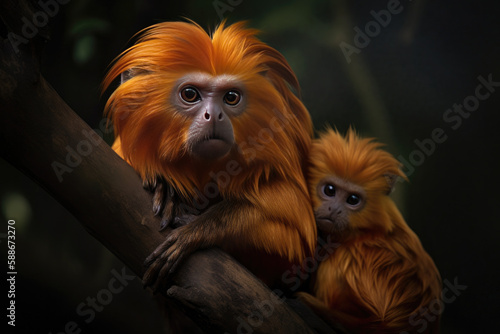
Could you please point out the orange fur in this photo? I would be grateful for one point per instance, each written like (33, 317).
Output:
(272, 136)
(380, 274)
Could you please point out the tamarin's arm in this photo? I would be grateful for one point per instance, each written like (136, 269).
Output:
(242, 223)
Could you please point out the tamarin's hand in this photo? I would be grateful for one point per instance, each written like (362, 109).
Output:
(166, 257)
(163, 200)
(216, 118)
(179, 244)
(167, 203)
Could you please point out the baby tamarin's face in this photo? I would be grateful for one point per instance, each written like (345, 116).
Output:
(338, 200)
(350, 179)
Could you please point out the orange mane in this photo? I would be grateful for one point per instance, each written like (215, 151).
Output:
(152, 134)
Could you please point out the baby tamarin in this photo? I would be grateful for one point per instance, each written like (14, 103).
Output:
(379, 279)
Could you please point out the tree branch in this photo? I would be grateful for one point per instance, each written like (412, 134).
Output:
(43, 137)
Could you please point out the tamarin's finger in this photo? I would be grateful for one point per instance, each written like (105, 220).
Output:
(165, 222)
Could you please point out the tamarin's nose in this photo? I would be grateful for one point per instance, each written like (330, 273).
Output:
(213, 114)
(339, 211)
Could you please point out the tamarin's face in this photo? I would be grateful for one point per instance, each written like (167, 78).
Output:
(350, 179)
(209, 102)
(224, 97)
(338, 200)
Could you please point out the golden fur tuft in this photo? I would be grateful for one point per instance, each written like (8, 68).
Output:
(156, 134)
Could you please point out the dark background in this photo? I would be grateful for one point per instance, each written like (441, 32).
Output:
(397, 88)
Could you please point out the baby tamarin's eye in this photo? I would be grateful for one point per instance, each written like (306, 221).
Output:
(329, 190)
(353, 199)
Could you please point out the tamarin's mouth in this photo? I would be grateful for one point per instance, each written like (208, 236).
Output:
(212, 147)
(325, 220)
(325, 223)
(329, 225)
(213, 136)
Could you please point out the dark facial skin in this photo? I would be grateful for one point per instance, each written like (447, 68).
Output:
(339, 198)
(210, 102)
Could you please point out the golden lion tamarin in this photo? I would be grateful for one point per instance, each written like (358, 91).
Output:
(216, 116)
(379, 279)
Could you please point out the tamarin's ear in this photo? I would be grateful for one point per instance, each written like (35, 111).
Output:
(130, 73)
(391, 180)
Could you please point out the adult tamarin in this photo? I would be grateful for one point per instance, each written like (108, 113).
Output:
(379, 279)
(217, 117)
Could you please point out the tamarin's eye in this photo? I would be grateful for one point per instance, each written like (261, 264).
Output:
(353, 199)
(232, 97)
(329, 190)
(190, 95)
